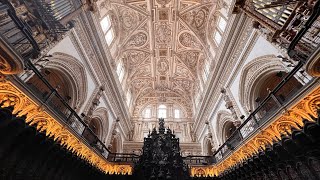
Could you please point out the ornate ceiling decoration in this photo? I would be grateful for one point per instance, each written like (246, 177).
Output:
(163, 44)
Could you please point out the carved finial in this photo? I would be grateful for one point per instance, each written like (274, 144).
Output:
(161, 126)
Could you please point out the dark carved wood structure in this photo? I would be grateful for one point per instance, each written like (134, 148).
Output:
(26, 154)
(296, 155)
(161, 158)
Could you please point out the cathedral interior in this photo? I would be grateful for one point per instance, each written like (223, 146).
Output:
(159, 89)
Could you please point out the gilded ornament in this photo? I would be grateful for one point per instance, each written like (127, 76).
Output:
(23, 105)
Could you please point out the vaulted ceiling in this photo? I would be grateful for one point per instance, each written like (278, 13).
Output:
(163, 45)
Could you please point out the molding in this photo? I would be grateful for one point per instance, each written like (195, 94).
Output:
(225, 56)
(104, 72)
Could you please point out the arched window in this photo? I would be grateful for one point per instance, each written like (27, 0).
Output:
(107, 29)
(177, 113)
(221, 26)
(162, 111)
(228, 129)
(147, 113)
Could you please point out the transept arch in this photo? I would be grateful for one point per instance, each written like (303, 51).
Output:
(71, 73)
(253, 75)
(101, 116)
(224, 118)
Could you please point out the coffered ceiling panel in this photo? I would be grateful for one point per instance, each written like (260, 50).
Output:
(163, 44)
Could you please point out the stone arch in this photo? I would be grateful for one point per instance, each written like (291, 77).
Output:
(72, 72)
(223, 118)
(96, 127)
(253, 75)
(101, 115)
(227, 130)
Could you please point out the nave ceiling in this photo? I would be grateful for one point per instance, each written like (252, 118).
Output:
(163, 45)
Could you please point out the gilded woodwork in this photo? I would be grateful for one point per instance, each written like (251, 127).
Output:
(291, 118)
(9, 62)
(23, 105)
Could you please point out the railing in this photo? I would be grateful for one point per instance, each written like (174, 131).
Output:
(50, 96)
(300, 48)
(275, 101)
(198, 160)
(123, 158)
(29, 28)
(62, 8)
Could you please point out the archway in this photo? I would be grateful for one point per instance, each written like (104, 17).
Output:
(259, 77)
(268, 83)
(101, 116)
(223, 118)
(227, 130)
(95, 126)
(58, 81)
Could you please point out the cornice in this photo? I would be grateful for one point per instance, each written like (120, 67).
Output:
(107, 76)
(242, 58)
(82, 54)
(227, 55)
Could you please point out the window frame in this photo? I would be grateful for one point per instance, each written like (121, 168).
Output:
(107, 30)
(177, 112)
(226, 23)
(163, 108)
(214, 37)
(145, 112)
(219, 30)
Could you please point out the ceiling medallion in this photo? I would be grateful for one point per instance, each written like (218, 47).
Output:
(188, 40)
(163, 66)
(138, 40)
(163, 35)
